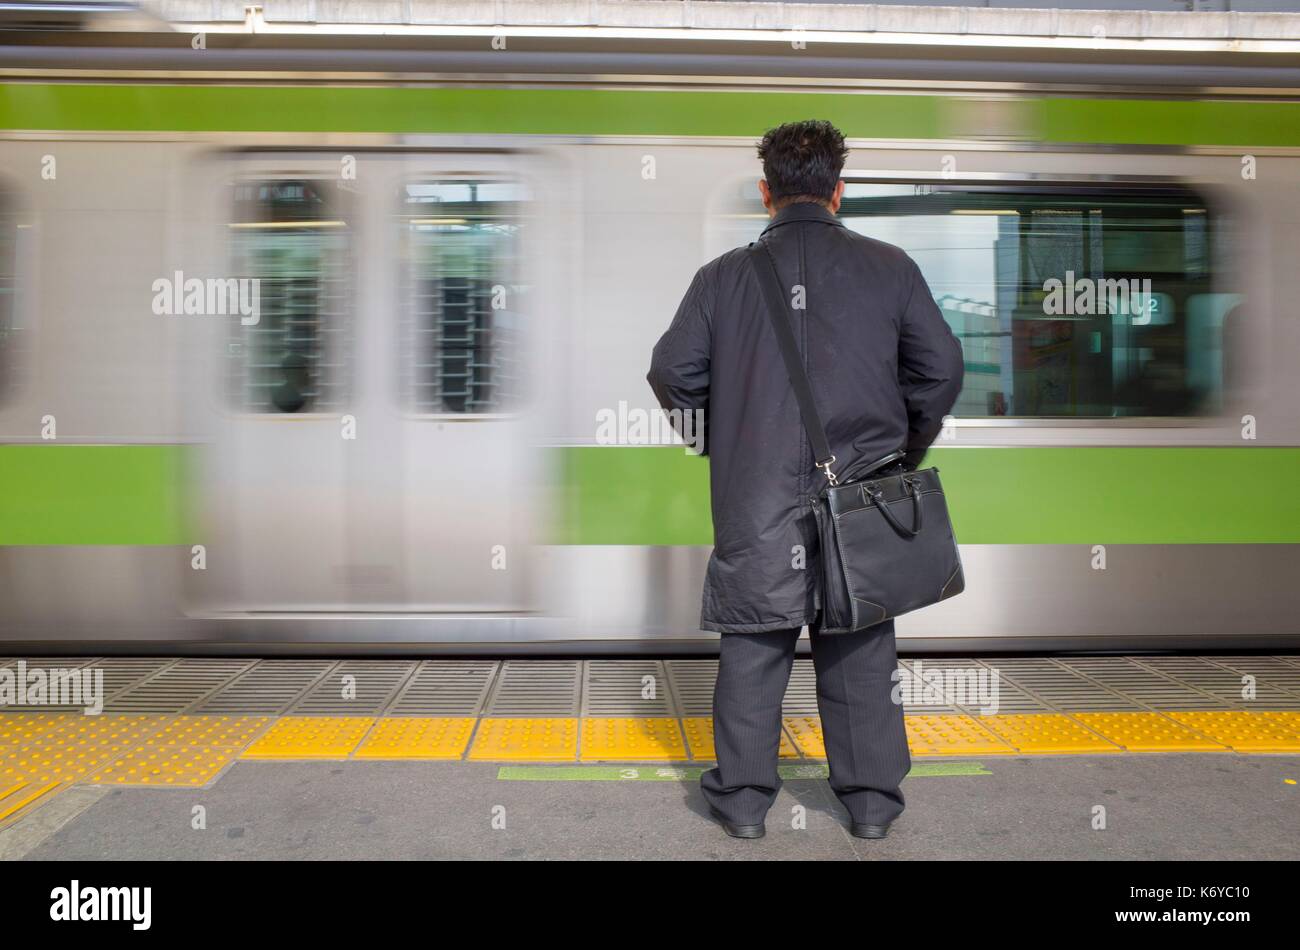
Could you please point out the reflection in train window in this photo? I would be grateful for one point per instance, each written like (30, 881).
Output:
(461, 321)
(10, 317)
(1068, 303)
(292, 236)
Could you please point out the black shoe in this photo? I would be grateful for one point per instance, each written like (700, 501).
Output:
(860, 829)
(738, 831)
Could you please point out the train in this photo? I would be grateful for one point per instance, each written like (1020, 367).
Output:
(318, 343)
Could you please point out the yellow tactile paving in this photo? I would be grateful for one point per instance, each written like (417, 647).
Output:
(49, 763)
(526, 740)
(21, 795)
(310, 737)
(20, 728)
(66, 753)
(414, 738)
(806, 733)
(1046, 733)
(165, 765)
(41, 750)
(222, 731)
(1146, 732)
(952, 735)
(1242, 730)
(699, 739)
(632, 740)
(105, 732)
(1287, 718)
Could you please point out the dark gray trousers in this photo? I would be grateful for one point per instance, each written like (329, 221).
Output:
(866, 742)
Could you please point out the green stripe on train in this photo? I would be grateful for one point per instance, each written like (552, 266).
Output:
(415, 109)
(135, 495)
(92, 494)
(181, 108)
(1236, 495)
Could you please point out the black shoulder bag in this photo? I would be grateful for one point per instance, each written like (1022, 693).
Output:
(887, 544)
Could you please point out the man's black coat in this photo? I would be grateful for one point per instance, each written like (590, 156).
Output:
(884, 368)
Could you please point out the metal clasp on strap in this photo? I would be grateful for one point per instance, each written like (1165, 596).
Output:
(826, 470)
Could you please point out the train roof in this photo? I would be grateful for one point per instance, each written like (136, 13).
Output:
(635, 41)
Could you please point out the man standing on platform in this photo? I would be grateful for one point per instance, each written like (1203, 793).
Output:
(885, 369)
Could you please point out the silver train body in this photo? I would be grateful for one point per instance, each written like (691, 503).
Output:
(434, 530)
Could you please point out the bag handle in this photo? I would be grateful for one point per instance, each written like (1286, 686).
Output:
(877, 496)
(770, 282)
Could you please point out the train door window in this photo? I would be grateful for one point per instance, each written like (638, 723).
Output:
(1068, 303)
(293, 237)
(461, 325)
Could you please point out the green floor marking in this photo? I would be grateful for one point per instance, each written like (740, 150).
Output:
(927, 769)
(692, 773)
(599, 773)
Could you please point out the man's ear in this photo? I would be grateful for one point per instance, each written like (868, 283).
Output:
(835, 198)
(766, 193)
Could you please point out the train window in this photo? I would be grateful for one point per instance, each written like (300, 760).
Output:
(462, 307)
(1068, 303)
(293, 237)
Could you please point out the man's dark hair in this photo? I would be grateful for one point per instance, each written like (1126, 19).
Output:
(802, 161)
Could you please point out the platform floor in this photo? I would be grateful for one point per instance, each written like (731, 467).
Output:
(1186, 757)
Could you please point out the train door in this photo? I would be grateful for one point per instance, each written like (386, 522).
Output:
(457, 377)
(278, 479)
(369, 428)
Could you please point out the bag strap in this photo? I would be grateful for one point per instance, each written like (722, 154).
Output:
(761, 259)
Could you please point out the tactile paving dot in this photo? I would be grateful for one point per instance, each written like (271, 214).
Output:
(632, 740)
(699, 738)
(1242, 730)
(185, 766)
(209, 730)
(1146, 732)
(806, 732)
(310, 737)
(526, 740)
(19, 728)
(1045, 733)
(952, 735)
(416, 738)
